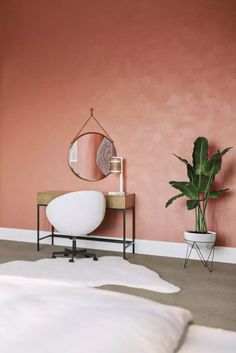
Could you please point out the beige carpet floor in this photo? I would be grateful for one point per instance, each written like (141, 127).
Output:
(210, 296)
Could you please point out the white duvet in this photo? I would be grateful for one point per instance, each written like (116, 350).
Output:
(42, 316)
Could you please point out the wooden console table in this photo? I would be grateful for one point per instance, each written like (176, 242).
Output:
(113, 202)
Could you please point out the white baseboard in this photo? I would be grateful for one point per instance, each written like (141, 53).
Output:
(147, 247)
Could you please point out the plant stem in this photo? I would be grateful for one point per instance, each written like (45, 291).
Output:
(196, 219)
(199, 206)
(204, 215)
(199, 218)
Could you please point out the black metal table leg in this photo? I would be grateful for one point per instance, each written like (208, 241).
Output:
(38, 226)
(124, 234)
(133, 230)
(52, 235)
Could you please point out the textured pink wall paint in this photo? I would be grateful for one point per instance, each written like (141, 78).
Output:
(159, 74)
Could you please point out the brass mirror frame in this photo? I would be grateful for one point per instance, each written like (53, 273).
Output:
(75, 139)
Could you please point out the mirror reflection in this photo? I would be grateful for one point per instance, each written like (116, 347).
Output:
(90, 155)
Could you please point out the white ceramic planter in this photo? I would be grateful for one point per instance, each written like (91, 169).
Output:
(203, 240)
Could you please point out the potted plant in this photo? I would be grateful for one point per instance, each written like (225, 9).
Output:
(199, 190)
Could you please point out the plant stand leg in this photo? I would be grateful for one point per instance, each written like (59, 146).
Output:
(212, 253)
(203, 261)
(201, 257)
(188, 253)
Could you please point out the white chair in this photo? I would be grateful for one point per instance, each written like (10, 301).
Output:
(76, 214)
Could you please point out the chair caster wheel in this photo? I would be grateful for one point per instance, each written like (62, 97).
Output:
(95, 258)
(71, 260)
(53, 256)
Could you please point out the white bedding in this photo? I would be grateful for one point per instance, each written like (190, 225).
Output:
(42, 316)
(201, 339)
(45, 316)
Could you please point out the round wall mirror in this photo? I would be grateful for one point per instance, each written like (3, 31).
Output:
(90, 155)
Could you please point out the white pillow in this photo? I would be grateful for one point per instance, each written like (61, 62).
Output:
(43, 316)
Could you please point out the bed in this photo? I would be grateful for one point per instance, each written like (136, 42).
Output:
(45, 316)
(200, 339)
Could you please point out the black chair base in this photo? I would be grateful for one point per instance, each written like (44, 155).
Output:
(74, 252)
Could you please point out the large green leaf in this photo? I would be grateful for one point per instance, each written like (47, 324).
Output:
(203, 183)
(191, 204)
(190, 170)
(213, 165)
(200, 154)
(225, 151)
(181, 159)
(188, 189)
(215, 193)
(169, 202)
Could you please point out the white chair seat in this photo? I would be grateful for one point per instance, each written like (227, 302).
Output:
(77, 213)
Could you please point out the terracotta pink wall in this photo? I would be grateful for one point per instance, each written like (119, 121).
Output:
(158, 73)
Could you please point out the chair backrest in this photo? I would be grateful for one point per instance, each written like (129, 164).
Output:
(77, 213)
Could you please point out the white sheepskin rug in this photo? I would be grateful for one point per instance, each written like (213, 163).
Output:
(88, 273)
